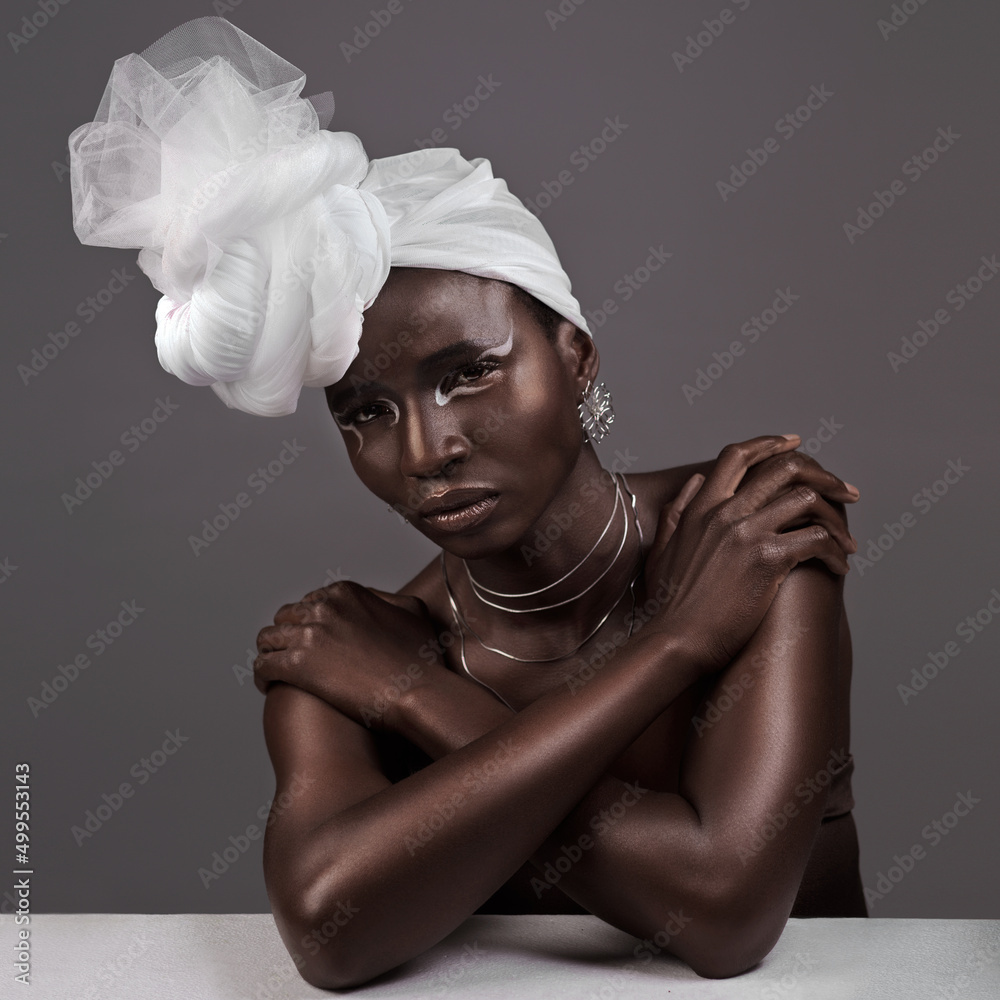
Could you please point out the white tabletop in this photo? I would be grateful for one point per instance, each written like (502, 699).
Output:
(240, 957)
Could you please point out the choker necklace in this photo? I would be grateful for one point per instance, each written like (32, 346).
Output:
(568, 600)
(530, 593)
(462, 625)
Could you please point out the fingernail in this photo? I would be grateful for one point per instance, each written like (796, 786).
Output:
(791, 437)
(853, 489)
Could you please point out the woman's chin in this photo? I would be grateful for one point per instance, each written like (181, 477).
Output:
(492, 537)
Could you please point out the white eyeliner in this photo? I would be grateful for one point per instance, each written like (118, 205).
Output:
(354, 427)
(500, 351)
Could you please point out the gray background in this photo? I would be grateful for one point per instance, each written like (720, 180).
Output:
(178, 666)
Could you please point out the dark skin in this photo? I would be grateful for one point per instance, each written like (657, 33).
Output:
(739, 578)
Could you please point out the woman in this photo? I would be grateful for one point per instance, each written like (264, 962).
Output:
(571, 775)
(645, 717)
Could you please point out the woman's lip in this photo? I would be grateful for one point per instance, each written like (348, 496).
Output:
(452, 499)
(461, 518)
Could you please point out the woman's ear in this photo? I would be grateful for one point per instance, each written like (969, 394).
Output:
(579, 351)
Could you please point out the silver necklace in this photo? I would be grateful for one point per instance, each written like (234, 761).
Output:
(568, 600)
(530, 593)
(460, 619)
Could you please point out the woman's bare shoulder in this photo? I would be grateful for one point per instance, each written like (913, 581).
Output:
(654, 490)
(428, 585)
(424, 584)
(662, 485)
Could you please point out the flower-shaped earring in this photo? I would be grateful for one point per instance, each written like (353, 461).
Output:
(596, 411)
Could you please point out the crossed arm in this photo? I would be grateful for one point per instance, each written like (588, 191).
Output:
(363, 874)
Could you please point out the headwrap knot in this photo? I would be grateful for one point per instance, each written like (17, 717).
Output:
(267, 235)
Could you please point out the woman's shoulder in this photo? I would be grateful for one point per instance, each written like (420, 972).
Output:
(662, 485)
(428, 586)
(424, 584)
(654, 490)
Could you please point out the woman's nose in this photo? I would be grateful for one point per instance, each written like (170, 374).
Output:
(430, 444)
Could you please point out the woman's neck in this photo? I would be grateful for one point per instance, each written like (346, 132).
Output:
(570, 566)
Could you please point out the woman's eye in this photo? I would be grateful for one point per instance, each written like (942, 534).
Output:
(372, 411)
(468, 374)
(364, 414)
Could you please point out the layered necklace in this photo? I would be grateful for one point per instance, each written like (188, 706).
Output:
(462, 625)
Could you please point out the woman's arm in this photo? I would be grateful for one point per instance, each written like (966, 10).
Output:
(414, 859)
(712, 854)
(410, 861)
(730, 848)
(767, 712)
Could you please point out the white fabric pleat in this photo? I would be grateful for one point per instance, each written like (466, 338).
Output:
(267, 235)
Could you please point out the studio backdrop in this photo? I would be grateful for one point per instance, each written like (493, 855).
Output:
(777, 216)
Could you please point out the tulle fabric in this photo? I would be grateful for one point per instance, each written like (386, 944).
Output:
(267, 235)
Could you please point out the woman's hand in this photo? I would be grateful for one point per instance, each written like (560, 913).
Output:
(356, 648)
(733, 538)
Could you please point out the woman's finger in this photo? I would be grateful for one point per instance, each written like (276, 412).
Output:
(262, 678)
(801, 505)
(734, 460)
(293, 614)
(272, 637)
(778, 474)
(267, 668)
(687, 493)
(811, 542)
(671, 514)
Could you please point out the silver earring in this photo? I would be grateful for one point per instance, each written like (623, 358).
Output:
(392, 510)
(596, 412)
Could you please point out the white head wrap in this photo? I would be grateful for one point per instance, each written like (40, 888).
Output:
(267, 235)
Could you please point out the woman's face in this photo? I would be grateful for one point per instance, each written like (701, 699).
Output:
(458, 411)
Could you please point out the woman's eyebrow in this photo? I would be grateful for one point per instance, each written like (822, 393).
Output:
(461, 350)
(466, 350)
(354, 393)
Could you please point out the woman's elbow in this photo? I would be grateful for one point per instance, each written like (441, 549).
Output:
(730, 955)
(325, 974)
(726, 934)
(324, 943)
(724, 952)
